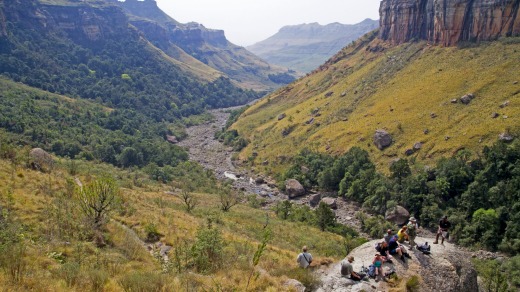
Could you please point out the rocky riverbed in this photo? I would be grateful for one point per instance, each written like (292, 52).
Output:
(214, 155)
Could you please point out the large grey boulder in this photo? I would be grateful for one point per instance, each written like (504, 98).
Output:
(331, 202)
(294, 188)
(40, 159)
(397, 215)
(382, 139)
(294, 285)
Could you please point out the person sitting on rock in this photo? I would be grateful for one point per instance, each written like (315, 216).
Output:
(388, 235)
(304, 258)
(348, 271)
(382, 249)
(378, 264)
(411, 230)
(402, 234)
(395, 247)
(444, 225)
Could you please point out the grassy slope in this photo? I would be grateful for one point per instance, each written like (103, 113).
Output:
(33, 199)
(394, 89)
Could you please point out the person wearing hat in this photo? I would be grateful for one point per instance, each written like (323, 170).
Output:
(304, 258)
(348, 271)
(412, 228)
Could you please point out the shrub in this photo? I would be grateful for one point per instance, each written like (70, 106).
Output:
(208, 248)
(143, 282)
(70, 272)
(413, 284)
(152, 234)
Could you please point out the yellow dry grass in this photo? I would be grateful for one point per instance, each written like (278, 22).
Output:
(373, 86)
(30, 195)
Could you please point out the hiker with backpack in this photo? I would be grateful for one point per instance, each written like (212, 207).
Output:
(395, 247)
(444, 225)
(348, 271)
(304, 258)
(412, 228)
(382, 249)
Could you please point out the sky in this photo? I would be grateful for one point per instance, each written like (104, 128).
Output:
(246, 22)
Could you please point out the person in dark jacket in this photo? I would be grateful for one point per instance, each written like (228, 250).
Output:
(444, 226)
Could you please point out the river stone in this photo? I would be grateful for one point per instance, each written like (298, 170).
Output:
(314, 200)
(294, 188)
(397, 215)
(331, 202)
(382, 139)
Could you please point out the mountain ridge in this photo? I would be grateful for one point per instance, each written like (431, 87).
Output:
(209, 46)
(306, 46)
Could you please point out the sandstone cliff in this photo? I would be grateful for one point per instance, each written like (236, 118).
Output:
(448, 22)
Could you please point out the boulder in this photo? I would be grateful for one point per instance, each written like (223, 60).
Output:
(294, 285)
(397, 215)
(281, 116)
(466, 99)
(40, 159)
(504, 104)
(314, 200)
(294, 188)
(506, 137)
(495, 115)
(329, 94)
(259, 180)
(417, 146)
(382, 139)
(408, 152)
(172, 139)
(331, 202)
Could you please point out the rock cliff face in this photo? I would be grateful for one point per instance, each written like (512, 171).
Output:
(448, 22)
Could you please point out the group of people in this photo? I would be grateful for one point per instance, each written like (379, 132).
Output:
(391, 246)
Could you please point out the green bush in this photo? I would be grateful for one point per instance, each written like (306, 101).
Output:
(207, 249)
(413, 284)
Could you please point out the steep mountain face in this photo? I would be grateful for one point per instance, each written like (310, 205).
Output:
(304, 47)
(90, 50)
(448, 22)
(209, 46)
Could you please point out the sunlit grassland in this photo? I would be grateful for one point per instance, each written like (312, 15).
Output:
(373, 86)
(34, 198)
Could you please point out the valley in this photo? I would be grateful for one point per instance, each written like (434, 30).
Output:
(128, 161)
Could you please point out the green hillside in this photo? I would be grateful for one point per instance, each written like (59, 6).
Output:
(406, 90)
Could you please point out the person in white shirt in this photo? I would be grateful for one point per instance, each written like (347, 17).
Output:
(304, 258)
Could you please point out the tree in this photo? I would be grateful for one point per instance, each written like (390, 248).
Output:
(96, 200)
(228, 199)
(325, 217)
(190, 202)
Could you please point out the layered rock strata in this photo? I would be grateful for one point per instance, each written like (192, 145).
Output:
(448, 22)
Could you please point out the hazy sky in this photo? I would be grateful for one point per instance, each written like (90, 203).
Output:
(246, 22)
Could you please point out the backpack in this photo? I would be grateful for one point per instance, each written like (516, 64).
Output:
(372, 271)
(424, 248)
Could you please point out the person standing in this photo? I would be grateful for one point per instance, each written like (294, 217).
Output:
(304, 258)
(412, 227)
(444, 226)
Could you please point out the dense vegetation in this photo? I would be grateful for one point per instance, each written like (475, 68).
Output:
(118, 70)
(480, 196)
(80, 129)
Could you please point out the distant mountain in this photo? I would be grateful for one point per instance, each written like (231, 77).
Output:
(304, 47)
(195, 44)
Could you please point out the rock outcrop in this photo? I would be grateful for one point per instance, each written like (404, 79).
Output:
(397, 215)
(448, 22)
(447, 269)
(40, 159)
(382, 139)
(294, 188)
